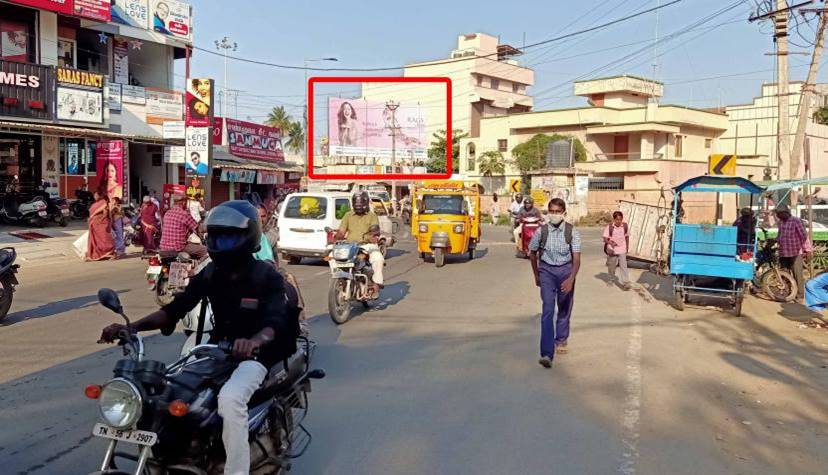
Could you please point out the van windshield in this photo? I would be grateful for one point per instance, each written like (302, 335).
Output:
(306, 207)
(384, 196)
(443, 204)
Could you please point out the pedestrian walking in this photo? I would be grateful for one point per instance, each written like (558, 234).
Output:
(495, 211)
(556, 259)
(101, 245)
(616, 244)
(793, 243)
(149, 223)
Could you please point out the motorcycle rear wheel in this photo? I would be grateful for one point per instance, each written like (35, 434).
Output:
(162, 298)
(779, 285)
(6, 297)
(339, 306)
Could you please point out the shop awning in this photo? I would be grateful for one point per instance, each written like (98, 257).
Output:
(223, 159)
(78, 132)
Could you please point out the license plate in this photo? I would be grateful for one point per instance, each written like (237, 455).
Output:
(179, 274)
(154, 270)
(140, 437)
(42, 214)
(344, 265)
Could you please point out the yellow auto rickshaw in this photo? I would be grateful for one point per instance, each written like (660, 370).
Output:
(445, 219)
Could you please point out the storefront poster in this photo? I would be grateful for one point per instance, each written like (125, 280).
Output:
(60, 6)
(14, 41)
(113, 97)
(72, 158)
(100, 10)
(167, 192)
(163, 105)
(199, 106)
(109, 161)
(120, 61)
(33, 87)
(175, 154)
(198, 151)
(173, 129)
(50, 159)
(250, 140)
(195, 188)
(362, 128)
(134, 95)
(218, 131)
(270, 178)
(131, 12)
(171, 17)
(238, 176)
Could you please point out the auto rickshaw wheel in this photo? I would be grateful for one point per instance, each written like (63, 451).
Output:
(439, 257)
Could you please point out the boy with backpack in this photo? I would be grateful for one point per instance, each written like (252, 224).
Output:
(616, 243)
(556, 258)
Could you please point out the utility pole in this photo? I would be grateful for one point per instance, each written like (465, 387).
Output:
(225, 45)
(783, 131)
(393, 106)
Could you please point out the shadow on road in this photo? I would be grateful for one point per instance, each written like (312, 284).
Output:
(53, 308)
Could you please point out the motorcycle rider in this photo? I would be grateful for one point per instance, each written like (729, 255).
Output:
(176, 228)
(361, 225)
(249, 307)
(527, 211)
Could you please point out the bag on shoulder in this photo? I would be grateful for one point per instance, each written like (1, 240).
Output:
(607, 248)
(567, 235)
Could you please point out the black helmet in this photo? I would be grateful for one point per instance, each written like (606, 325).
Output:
(528, 201)
(361, 202)
(233, 233)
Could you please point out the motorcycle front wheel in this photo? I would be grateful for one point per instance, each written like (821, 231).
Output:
(339, 304)
(6, 297)
(779, 285)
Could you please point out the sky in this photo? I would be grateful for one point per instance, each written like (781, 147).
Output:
(721, 60)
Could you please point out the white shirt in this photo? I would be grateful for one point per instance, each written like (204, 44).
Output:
(515, 207)
(195, 209)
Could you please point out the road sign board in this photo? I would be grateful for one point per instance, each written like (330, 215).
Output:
(722, 165)
(540, 198)
(514, 186)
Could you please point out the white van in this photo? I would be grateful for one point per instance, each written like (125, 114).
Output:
(303, 218)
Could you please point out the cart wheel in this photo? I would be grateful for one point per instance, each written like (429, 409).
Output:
(679, 301)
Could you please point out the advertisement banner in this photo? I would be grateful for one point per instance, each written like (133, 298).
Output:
(270, 178)
(60, 6)
(581, 187)
(80, 96)
(172, 17)
(134, 95)
(238, 176)
(250, 140)
(173, 129)
(218, 131)
(198, 151)
(363, 128)
(113, 96)
(195, 189)
(99, 10)
(50, 161)
(167, 193)
(175, 154)
(120, 61)
(199, 108)
(163, 105)
(14, 41)
(131, 12)
(31, 85)
(109, 162)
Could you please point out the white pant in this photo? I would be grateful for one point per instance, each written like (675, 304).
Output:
(376, 260)
(232, 407)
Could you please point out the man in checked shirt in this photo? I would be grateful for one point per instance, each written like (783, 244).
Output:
(793, 243)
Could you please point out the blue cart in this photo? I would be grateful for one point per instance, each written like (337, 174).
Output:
(706, 260)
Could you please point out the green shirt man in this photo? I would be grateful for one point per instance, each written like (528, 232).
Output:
(357, 226)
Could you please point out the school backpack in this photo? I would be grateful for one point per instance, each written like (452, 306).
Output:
(544, 236)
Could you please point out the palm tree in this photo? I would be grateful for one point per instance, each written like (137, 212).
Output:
(296, 134)
(492, 163)
(278, 117)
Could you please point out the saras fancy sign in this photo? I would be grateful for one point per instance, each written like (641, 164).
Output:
(80, 78)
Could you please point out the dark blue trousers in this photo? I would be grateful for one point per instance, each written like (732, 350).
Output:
(555, 304)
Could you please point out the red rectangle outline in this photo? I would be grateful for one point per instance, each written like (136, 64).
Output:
(388, 176)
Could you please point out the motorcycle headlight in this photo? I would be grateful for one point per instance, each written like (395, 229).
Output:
(423, 228)
(458, 229)
(120, 403)
(341, 253)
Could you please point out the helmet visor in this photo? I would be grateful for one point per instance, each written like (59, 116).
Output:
(226, 217)
(222, 240)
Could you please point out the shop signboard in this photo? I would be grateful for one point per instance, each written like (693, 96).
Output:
(80, 96)
(99, 10)
(109, 163)
(60, 6)
(163, 105)
(198, 150)
(238, 176)
(250, 140)
(120, 62)
(174, 154)
(172, 18)
(173, 129)
(218, 131)
(113, 96)
(131, 12)
(27, 90)
(199, 105)
(134, 95)
(270, 178)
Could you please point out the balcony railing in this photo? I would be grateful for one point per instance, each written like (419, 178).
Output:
(601, 157)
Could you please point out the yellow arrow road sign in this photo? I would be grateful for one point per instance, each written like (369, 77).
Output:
(722, 165)
(514, 186)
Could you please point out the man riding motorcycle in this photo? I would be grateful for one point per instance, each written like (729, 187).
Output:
(514, 209)
(250, 310)
(176, 228)
(361, 225)
(527, 211)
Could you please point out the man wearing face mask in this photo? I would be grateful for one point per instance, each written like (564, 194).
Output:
(250, 311)
(556, 258)
(527, 211)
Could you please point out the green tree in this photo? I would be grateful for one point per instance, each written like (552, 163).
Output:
(821, 116)
(278, 117)
(492, 163)
(292, 130)
(531, 155)
(437, 151)
(296, 134)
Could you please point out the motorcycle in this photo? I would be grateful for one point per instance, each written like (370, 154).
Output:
(170, 412)
(17, 209)
(168, 273)
(8, 279)
(776, 282)
(530, 226)
(351, 274)
(130, 231)
(80, 207)
(57, 209)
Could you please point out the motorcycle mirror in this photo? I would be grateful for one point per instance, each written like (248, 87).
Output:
(109, 299)
(316, 374)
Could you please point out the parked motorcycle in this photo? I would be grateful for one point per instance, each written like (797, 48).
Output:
(80, 207)
(21, 210)
(168, 273)
(530, 226)
(776, 282)
(351, 274)
(171, 412)
(57, 209)
(8, 279)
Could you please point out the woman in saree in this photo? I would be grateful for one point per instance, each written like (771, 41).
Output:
(149, 223)
(101, 246)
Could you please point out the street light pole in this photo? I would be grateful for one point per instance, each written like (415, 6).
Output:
(393, 106)
(225, 45)
(305, 115)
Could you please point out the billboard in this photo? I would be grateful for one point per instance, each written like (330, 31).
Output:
(109, 163)
(60, 6)
(250, 140)
(131, 12)
(171, 17)
(199, 105)
(99, 10)
(364, 129)
(198, 151)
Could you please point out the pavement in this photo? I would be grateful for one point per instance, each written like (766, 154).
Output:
(442, 377)
(50, 242)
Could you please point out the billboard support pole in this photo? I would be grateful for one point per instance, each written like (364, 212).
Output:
(393, 106)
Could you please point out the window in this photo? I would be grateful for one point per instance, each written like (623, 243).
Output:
(66, 53)
(606, 183)
(18, 40)
(708, 143)
(479, 80)
(470, 164)
(495, 84)
(342, 206)
(306, 207)
(515, 87)
(679, 145)
(77, 157)
(502, 145)
(443, 204)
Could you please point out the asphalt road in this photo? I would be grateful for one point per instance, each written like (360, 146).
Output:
(442, 376)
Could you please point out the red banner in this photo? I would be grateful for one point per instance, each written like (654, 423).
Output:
(100, 10)
(60, 6)
(218, 130)
(109, 161)
(254, 140)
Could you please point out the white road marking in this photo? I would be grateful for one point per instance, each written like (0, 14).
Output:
(632, 386)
